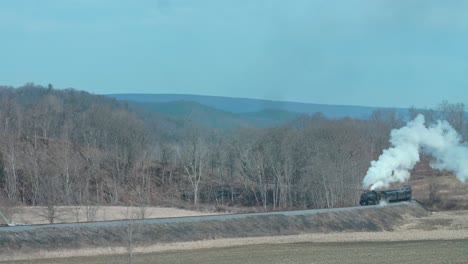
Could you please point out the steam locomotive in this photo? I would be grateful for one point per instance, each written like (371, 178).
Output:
(389, 196)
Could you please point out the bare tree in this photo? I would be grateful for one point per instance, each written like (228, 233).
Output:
(252, 165)
(279, 161)
(91, 212)
(141, 185)
(453, 113)
(132, 233)
(130, 240)
(11, 168)
(434, 191)
(50, 198)
(46, 109)
(33, 161)
(65, 162)
(76, 211)
(193, 154)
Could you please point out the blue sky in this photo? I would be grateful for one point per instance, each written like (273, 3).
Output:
(395, 53)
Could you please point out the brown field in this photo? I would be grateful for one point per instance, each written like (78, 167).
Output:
(452, 251)
(36, 214)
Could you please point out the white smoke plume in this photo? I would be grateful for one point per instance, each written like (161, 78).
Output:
(440, 140)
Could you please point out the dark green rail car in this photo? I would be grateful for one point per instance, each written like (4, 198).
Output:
(389, 196)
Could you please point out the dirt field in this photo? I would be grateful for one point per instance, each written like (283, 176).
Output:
(37, 214)
(455, 251)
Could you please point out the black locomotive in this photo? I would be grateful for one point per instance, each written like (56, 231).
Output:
(389, 196)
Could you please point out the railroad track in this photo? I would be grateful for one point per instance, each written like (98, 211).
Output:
(184, 219)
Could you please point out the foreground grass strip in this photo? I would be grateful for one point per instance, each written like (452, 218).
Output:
(446, 251)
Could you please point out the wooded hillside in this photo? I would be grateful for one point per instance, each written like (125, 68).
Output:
(68, 147)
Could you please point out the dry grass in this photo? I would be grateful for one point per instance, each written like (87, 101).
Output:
(453, 194)
(33, 215)
(444, 221)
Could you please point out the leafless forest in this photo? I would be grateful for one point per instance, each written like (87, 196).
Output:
(68, 147)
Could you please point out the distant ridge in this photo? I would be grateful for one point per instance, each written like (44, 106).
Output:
(246, 105)
(183, 110)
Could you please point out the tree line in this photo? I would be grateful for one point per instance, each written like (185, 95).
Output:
(69, 147)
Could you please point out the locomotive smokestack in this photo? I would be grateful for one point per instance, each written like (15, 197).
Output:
(440, 141)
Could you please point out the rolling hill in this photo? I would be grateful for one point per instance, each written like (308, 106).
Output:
(245, 105)
(185, 111)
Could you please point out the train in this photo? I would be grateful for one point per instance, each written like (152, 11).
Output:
(389, 196)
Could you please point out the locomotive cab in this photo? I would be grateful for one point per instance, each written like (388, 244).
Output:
(369, 198)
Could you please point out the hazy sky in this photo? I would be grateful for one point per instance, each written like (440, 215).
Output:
(359, 52)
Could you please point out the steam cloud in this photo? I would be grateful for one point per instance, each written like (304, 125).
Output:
(440, 140)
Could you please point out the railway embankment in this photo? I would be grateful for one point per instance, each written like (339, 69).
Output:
(30, 239)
